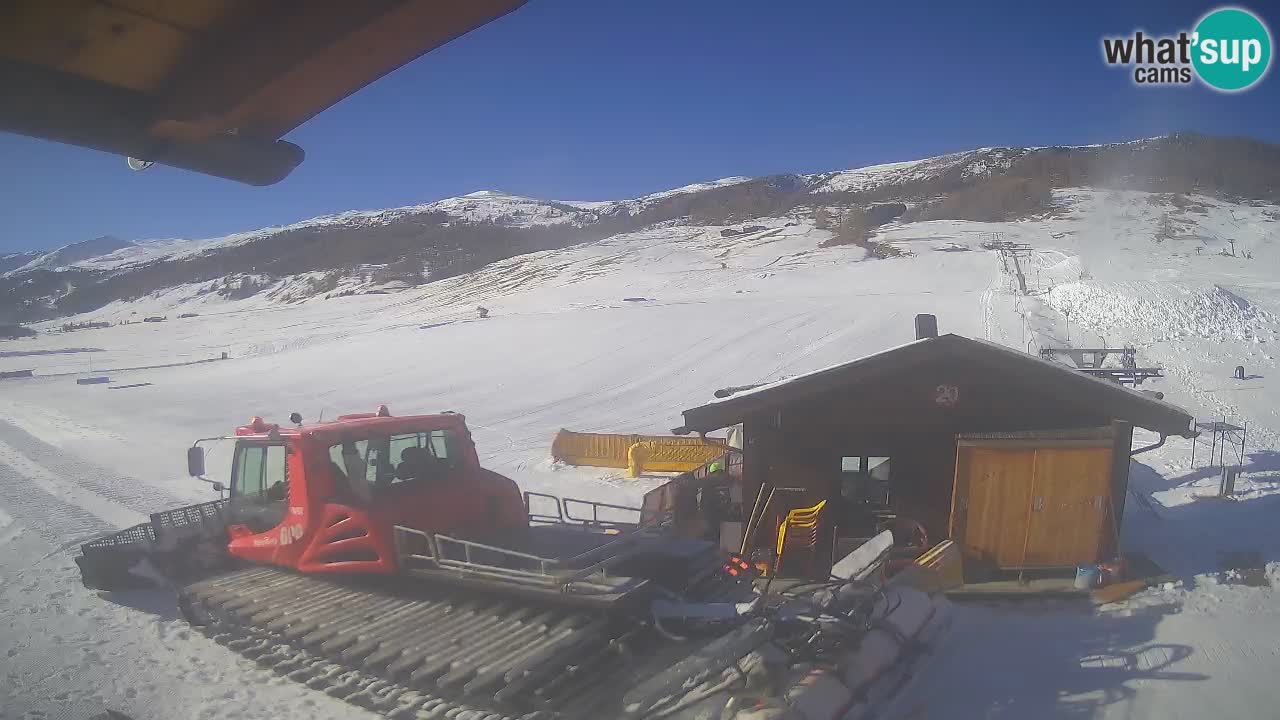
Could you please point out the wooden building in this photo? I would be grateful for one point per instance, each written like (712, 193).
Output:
(1021, 461)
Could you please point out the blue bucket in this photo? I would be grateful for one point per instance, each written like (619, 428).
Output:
(1088, 576)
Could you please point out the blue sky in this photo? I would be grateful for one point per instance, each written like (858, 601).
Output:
(601, 99)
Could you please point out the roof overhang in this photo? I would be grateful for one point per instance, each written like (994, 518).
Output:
(1075, 387)
(207, 85)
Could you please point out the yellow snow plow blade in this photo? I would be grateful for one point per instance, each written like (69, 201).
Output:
(656, 453)
(652, 456)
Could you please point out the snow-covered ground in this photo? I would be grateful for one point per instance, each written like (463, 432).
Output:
(621, 335)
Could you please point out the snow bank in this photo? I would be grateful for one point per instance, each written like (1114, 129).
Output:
(1161, 311)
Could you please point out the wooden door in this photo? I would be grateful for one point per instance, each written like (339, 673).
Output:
(990, 505)
(1070, 506)
(1032, 503)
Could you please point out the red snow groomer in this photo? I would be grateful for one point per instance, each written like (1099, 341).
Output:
(374, 557)
(374, 494)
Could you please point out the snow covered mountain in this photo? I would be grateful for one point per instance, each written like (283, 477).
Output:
(16, 260)
(68, 255)
(975, 163)
(361, 249)
(504, 209)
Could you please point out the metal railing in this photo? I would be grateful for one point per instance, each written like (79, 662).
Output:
(588, 570)
(515, 567)
(543, 518)
(596, 507)
(565, 512)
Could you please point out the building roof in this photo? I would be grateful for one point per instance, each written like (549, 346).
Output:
(1057, 380)
(207, 85)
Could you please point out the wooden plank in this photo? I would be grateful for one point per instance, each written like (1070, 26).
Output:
(1015, 590)
(192, 16)
(940, 568)
(94, 40)
(1017, 443)
(1092, 500)
(1038, 437)
(995, 509)
(1017, 468)
(959, 497)
(1117, 591)
(285, 66)
(1124, 590)
(1069, 522)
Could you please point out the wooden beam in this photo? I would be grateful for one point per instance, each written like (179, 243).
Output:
(290, 63)
(246, 54)
(93, 40)
(71, 109)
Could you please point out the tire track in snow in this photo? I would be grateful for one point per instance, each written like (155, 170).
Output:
(987, 302)
(31, 506)
(985, 299)
(67, 491)
(66, 468)
(63, 498)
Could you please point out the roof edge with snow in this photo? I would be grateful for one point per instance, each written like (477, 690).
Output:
(1121, 403)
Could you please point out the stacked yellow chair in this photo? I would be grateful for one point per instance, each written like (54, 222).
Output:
(799, 530)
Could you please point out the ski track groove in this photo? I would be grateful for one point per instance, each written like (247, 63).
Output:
(92, 478)
(52, 518)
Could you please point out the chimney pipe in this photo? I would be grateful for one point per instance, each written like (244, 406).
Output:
(926, 326)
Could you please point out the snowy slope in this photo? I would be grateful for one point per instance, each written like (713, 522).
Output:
(524, 212)
(644, 201)
(1183, 309)
(982, 161)
(16, 260)
(481, 206)
(75, 253)
(621, 335)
